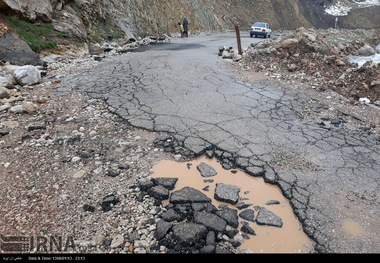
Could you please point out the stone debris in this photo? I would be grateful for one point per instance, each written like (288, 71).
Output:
(266, 217)
(192, 224)
(27, 75)
(62, 154)
(227, 193)
(188, 195)
(322, 59)
(206, 170)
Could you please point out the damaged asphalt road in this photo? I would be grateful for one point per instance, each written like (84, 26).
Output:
(330, 176)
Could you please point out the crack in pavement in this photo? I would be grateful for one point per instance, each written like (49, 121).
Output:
(328, 175)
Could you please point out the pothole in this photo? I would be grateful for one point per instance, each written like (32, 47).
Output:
(287, 238)
(352, 228)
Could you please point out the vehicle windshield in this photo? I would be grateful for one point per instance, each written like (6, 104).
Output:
(259, 25)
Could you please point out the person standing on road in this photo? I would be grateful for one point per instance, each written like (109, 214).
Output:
(181, 29)
(185, 27)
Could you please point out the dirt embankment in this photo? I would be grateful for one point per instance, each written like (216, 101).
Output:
(316, 63)
(322, 58)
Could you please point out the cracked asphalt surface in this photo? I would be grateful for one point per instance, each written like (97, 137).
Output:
(185, 89)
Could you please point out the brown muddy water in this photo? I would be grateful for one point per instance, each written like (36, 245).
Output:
(290, 238)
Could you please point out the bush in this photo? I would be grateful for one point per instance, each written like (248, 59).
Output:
(37, 36)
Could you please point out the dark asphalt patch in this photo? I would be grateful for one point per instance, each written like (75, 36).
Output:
(166, 46)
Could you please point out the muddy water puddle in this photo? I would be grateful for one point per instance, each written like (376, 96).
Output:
(268, 239)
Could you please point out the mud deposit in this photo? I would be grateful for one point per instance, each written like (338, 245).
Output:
(268, 239)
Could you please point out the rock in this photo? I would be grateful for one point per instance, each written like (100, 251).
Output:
(35, 127)
(80, 173)
(68, 22)
(290, 43)
(109, 202)
(4, 93)
(209, 249)
(229, 215)
(266, 217)
(16, 109)
(113, 172)
(248, 215)
(95, 49)
(171, 215)
(247, 229)
(29, 107)
(16, 51)
(145, 184)
(3, 29)
(336, 121)
(206, 170)
(227, 193)
(196, 145)
(237, 57)
(188, 195)
(366, 50)
(5, 106)
(117, 241)
(31, 10)
(226, 55)
(375, 85)
(364, 100)
(188, 234)
(177, 157)
(309, 36)
(88, 208)
(210, 220)
(255, 171)
(4, 82)
(208, 207)
(166, 182)
(158, 192)
(3, 133)
(340, 63)
(272, 202)
(41, 100)
(27, 75)
(162, 229)
(292, 67)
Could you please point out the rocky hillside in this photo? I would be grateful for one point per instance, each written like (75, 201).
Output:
(93, 18)
(57, 24)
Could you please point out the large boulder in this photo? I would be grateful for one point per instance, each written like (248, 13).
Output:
(16, 51)
(68, 21)
(27, 75)
(30, 9)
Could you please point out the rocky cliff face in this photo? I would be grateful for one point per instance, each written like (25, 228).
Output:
(84, 18)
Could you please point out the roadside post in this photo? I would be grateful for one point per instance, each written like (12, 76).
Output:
(238, 39)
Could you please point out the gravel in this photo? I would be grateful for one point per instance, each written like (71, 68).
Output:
(70, 168)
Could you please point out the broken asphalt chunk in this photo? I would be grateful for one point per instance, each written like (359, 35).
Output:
(227, 193)
(166, 182)
(206, 170)
(266, 217)
(158, 192)
(188, 195)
